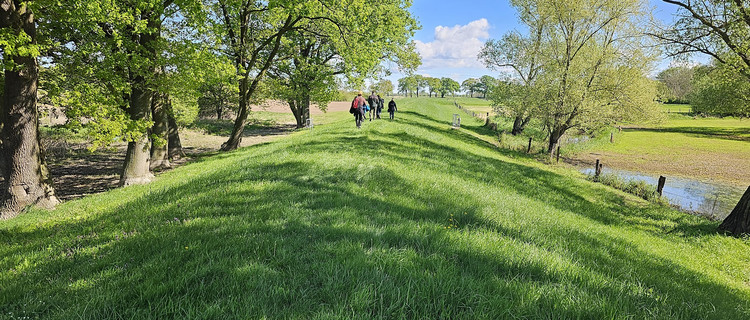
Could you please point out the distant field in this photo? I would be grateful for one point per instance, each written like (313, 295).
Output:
(705, 148)
(678, 108)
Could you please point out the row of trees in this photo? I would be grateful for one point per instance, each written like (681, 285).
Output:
(414, 84)
(715, 89)
(123, 68)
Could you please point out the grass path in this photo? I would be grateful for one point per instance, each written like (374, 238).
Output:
(404, 219)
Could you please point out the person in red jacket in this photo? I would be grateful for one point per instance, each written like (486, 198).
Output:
(359, 109)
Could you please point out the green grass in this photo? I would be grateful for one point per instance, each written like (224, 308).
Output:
(403, 219)
(677, 108)
(702, 148)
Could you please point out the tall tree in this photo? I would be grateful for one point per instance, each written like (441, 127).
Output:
(112, 54)
(595, 64)
(254, 32)
(384, 86)
(407, 85)
(678, 80)
(485, 85)
(27, 180)
(317, 51)
(470, 85)
(522, 54)
(434, 85)
(718, 28)
(448, 86)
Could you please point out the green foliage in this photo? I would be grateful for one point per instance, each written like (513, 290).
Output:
(434, 85)
(598, 76)
(470, 85)
(719, 90)
(448, 86)
(678, 84)
(407, 85)
(384, 87)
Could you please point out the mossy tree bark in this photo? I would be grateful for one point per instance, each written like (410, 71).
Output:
(27, 180)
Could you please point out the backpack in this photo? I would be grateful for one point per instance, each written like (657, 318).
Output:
(354, 106)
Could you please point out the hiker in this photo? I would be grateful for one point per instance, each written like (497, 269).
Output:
(358, 109)
(392, 108)
(373, 101)
(381, 105)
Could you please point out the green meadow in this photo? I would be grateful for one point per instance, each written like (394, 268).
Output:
(401, 219)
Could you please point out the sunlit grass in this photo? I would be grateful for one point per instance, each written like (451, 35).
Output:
(401, 219)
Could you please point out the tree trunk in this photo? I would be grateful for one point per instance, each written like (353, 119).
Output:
(554, 139)
(135, 170)
(27, 180)
(218, 111)
(297, 112)
(738, 221)
(235, 138)
(174, 143)
(519, 124)
(159, 147)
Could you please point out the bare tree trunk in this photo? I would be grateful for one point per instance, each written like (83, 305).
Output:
(27, 180)
(137, 159)
(159, 148)
(738, 221)
(297, 112)
(554, 139)
(235, 138)
(175, 145)
(519, 124)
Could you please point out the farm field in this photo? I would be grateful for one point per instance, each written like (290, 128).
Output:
(405, 218)
(702, 148)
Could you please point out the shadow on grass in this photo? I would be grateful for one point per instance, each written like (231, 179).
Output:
(255, 127)
(738, 134)
(257, 235)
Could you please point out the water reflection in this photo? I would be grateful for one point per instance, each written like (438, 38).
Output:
(708, 199)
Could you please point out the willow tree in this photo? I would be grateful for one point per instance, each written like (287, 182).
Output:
(595, 65)
(25, 171)
(522, 55)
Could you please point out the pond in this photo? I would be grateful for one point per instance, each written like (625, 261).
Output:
(709, 199)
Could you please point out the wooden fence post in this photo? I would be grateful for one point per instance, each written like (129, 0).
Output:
(558, 154)
(529, 149)
(611, 137)
(660, 186)
(597, 170)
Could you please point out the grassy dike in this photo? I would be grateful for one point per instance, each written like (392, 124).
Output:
(404, 219)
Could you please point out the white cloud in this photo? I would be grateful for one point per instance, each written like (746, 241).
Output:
(455, 47)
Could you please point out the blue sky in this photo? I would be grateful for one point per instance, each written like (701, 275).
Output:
(453, 32)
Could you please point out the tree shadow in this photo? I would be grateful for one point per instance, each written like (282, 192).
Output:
(256, 234)
(736, 134)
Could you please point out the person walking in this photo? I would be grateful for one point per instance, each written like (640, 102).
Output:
(373, 101)
(358, 108)
(392, 108)
(381, 105)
